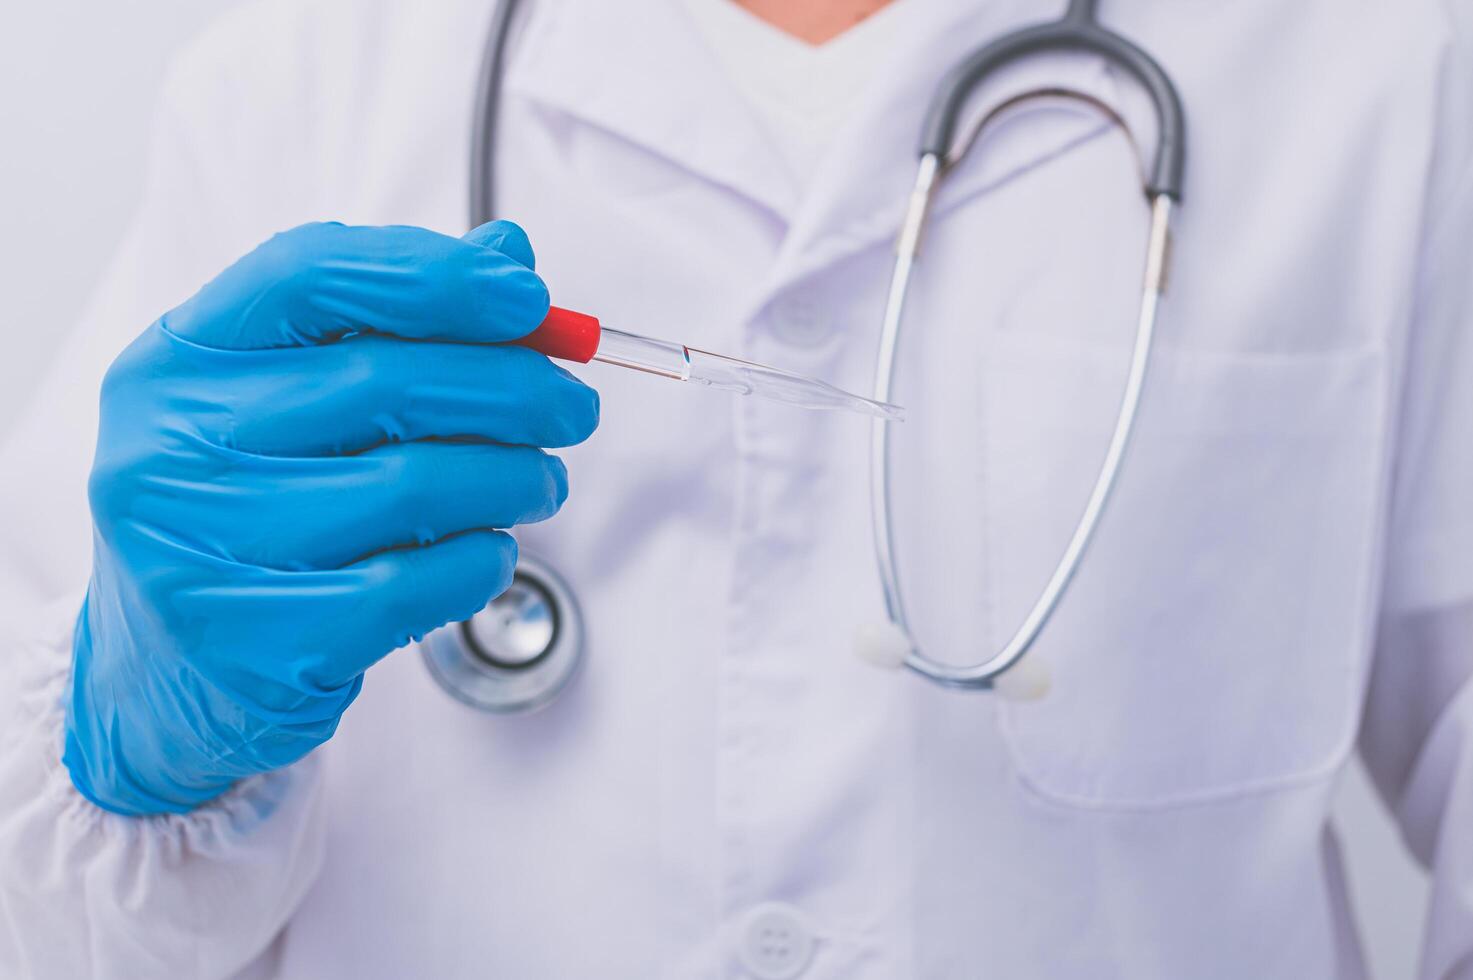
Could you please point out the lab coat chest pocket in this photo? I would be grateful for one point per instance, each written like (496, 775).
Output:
(1213, 641)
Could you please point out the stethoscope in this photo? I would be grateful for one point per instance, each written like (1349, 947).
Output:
(523, 649)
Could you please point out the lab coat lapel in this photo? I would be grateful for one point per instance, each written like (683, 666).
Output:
(638, 69)
(859, 193)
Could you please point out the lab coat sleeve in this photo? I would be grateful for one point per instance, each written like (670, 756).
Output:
(1417, 736)
(85, 893)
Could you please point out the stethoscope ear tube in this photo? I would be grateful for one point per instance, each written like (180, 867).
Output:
(987, 673)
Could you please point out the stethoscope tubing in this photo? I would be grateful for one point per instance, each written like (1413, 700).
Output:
(1076, 35)
(486, 120)
(1077, 31)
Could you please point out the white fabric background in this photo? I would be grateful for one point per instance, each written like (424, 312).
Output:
(77, 82)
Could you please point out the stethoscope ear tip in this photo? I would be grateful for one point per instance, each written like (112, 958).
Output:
(1027, 680)
(882, 644)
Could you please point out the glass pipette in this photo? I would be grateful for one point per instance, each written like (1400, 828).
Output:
(579, 337)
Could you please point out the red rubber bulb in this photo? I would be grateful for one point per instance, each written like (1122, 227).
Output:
(565, 335)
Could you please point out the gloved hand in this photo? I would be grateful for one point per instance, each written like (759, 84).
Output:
(299, 470)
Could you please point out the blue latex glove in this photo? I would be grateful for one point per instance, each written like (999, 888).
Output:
(298, 471)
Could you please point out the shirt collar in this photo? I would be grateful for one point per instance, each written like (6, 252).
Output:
(639, 69)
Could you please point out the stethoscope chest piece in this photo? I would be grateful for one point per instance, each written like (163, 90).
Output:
(519, 652)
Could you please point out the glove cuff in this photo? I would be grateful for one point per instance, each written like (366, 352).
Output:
(95, 734)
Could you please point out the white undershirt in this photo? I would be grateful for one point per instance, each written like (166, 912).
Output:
(801, 93)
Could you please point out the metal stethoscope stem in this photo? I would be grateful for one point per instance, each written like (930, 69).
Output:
(981, 674)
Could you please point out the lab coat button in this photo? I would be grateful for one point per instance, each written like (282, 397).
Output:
(774, 943)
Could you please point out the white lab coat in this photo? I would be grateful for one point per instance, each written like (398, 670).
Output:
(1287, 568)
